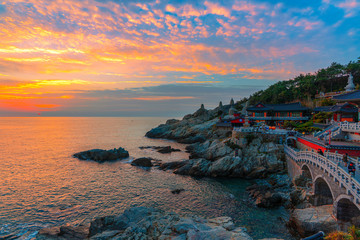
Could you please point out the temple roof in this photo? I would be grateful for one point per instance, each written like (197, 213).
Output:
(351, 96)
(289, 107)
(343, 107)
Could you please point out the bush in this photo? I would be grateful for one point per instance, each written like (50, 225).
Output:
(352, 234)
(290, 124)
(321, 117)
(327, 102)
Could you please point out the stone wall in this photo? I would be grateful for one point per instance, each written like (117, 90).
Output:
(294, 169)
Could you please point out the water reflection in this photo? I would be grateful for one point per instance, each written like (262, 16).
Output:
(42, 185)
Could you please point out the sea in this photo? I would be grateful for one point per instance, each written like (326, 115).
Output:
(43, 185)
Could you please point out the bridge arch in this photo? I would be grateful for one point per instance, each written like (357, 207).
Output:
(346, 210)
(323, 194)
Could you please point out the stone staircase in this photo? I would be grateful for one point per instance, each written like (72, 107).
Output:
(334, 130)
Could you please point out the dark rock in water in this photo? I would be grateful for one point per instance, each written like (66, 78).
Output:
(162, 149)
(100, 155)
(167, 149)
(142, 162)
(270, 196)
(177, 191)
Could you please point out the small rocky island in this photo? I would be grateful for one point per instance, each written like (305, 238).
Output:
(100, 155)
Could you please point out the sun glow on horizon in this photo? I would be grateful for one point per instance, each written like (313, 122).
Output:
(70, 53)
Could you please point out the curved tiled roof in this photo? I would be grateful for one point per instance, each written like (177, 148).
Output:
(351, 96)
(286, 107)
(344, 107)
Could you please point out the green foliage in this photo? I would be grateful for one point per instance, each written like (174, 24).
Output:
(321, 117)
(305, 87)
(327, 102)
(352, 234)
(307, 127)
(290, 124)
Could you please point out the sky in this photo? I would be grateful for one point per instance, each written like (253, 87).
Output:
(162, 58)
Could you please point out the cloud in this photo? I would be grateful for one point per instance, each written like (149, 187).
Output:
(351, 7)
(72, 47)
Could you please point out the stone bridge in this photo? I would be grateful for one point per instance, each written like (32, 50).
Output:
(331, 182)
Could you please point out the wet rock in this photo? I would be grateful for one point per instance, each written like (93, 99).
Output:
(142, 162)
(100, 155)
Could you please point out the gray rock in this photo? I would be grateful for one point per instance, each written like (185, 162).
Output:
(148, 223)
(309, 221)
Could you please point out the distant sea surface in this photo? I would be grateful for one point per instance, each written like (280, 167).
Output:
(42, 185)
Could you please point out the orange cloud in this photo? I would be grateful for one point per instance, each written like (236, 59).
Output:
(47, 105)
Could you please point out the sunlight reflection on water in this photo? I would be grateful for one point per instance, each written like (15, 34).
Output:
(42, 185)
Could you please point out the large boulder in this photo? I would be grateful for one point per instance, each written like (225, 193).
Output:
(311, 220)
(100, 155)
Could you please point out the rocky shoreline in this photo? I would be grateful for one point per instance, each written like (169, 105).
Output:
(213, 153)
(148, 223)
(219, 153)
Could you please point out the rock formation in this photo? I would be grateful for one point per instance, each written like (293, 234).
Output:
(309, 221)
(100, 155)
(142, 162)
(216, 158)
(149, 223)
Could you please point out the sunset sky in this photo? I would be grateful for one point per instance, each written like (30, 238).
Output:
(161, 58)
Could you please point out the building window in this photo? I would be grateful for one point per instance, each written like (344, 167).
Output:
(259, 114)
(296, 114)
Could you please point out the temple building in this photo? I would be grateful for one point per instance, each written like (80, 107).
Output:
(351, 97)
(341, 112)
(276, 114)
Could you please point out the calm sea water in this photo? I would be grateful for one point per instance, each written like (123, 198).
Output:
(42, 185)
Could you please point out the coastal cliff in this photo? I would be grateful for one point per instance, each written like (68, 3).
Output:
(196, 127)
(215, 153)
